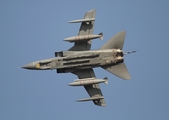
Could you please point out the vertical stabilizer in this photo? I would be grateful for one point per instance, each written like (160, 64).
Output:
(116, 42)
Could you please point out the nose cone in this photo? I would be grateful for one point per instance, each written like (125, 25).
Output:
(29, 66)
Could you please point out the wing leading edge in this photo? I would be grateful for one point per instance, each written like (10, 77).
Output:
(93, 90)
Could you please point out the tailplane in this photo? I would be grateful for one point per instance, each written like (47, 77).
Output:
(118, 70)
(116, 42)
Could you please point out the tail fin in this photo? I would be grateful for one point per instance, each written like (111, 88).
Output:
(116, 42)
(119, 70)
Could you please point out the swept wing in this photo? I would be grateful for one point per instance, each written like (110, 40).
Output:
(86, 28)
(93, 90)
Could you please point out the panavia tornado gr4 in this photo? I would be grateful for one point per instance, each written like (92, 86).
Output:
(80, 60)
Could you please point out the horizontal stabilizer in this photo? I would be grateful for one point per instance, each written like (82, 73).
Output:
(90, 99)
(116, 42)
(119, 70)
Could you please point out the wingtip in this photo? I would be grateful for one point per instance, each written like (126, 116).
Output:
(103, 105)
(127, 78)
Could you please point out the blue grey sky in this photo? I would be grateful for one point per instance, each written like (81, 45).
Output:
(32, 30)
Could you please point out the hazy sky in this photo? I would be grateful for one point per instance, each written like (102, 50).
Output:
(34, 29)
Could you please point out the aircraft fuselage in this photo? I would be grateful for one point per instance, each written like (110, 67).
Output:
(69, 61)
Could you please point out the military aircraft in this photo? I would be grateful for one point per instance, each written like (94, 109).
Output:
(80, 60)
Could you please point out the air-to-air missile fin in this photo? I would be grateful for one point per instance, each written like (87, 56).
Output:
(116, 42)
(101, 36)
(119, 70)
(106, 80)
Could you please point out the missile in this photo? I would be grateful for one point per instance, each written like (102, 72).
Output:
(90, 99)
(82, 20)
(83, 37)
(88, 81)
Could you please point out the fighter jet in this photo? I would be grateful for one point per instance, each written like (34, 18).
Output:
(80, 60)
